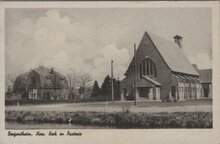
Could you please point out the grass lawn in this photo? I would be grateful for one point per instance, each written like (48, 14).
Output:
(144, 106)
(146, 114)
(152, 103)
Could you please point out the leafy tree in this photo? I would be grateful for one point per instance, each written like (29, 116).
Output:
(95, 89)
(117, 92)
(106, 86)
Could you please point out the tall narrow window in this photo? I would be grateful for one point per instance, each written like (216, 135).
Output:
(155, 71)
(144, 68)
(151, 68)
(140, 70)
(147, 66)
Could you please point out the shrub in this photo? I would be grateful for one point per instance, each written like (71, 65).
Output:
(126, 108)
(124, 119)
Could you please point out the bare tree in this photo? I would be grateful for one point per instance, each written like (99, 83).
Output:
(73, 81)
(78, 80)
(9, 80)
(84, 79)
(9, 83)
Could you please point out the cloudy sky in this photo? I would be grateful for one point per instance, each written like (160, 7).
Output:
(85, 40)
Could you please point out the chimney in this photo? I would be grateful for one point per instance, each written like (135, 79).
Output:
(51, 71)
(178, 40)
(195, 66)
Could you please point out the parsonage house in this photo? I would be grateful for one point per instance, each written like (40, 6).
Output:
(160, 71)
(41, 83)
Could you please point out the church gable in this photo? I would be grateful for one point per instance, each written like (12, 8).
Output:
(168, 53)
(157, 60)
(148, 53)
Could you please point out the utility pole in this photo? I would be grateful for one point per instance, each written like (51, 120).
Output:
(112, 80)
(135, 70)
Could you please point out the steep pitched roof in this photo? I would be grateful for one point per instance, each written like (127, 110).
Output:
(205, 75)
(20, 81)
(44, 73)
(173, 55)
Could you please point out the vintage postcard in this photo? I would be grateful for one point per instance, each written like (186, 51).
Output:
(113, 72)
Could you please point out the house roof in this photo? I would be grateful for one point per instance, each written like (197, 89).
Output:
(173, 55)
(43, 72)
(21, 79)
(205, 75)
(46, 73)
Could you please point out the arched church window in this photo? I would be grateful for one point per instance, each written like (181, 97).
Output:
(147, 67)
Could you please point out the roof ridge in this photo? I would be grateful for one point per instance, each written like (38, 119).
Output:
(172, 54)
(205, 69)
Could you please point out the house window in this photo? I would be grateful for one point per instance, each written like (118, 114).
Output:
(148, 68)
(33, 80)
(125, 92)
(49, 81)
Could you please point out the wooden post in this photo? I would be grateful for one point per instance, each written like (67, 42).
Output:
(112, 80)
(135, 70)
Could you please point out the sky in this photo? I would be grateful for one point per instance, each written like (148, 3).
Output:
(84, 40)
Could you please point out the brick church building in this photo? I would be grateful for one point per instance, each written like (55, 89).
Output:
(160, 71)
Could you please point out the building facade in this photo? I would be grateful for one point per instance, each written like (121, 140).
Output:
(160, 71)
(206, 82)
(42, 83)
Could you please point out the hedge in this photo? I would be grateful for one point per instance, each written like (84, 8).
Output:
(124, 119)
(41, 101)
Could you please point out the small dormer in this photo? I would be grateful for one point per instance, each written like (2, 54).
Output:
(51, 70)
